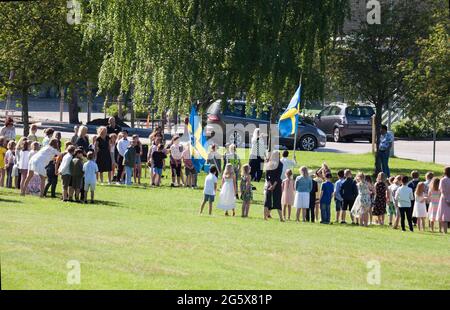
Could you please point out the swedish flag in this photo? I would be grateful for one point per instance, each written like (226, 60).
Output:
(289, 119)
(199, 144)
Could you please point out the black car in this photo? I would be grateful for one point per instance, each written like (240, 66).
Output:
(240, 124)
(344, 122)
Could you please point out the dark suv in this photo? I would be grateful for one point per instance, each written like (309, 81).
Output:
(309, 137)
(345, 122)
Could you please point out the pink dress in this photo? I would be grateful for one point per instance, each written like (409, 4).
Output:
(434, 203)
(288, 192)
(443, 210)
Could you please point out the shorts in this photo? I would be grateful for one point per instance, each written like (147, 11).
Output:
(190, 171)
(66, 181)
(176, 169)
(76, 182)
(339, 205)
(391, 209)
(209, 198)
(347, 205)
(138, 160)
(88, 186)
(157, 171)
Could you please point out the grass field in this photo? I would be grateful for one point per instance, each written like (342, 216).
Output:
(146, 238)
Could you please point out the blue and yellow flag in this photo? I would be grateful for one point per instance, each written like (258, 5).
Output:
(199, 144)
(289, 119)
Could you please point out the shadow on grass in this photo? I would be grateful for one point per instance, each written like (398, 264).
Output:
(9, 200)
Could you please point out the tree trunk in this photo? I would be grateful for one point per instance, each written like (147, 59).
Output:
(61, 102)
(24, 102)
(131, 109)
(434, 142)
(105, 105)
(378, 119)
(73, 105)
(89, 99)
(119, 106)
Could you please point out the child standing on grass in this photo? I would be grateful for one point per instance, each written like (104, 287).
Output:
(404, 196)
(390, 203)
(34, 187)
(9, 163)
(209, 189)
(319, 180)
(372, 196)
(37, 164)
(433, 197)
(233, 158)
(420, 208)
(3, 151)
(227, 196)
(76, 171)
(246, 190)
(157, 159)
(288, 193)
(363, 202)
(189, 169)
(52, 178)
(129, 161)
(32, 136)
(381, 198)
(64, 171)
(338, 200)
(48, 136)
(303, 186)
(325, 199)
(90, 170)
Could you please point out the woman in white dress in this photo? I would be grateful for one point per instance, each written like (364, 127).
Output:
(227, 196)
(38, 163)
(420, 207)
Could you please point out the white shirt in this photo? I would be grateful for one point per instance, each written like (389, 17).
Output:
(90, 170)
(122, 146)
(9, 157)
(64, 168)
(8, 132)
(44, 156)
(210, 181)
(24, 157)
(404, 195)
(258, 148)
(175, 151)
(287, 164)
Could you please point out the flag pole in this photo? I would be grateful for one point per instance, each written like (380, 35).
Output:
(296, 129)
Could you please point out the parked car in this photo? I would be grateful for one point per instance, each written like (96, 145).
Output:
(309, 137)
(344, 122)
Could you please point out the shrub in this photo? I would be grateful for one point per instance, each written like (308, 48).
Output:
(113, 110)
(407, 128)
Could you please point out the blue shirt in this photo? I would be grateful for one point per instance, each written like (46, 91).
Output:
(90, 170)
(337, 191)
(303, 185)
(386, 141)
(327, 192)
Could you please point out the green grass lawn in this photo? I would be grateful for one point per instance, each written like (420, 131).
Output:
(146, 238)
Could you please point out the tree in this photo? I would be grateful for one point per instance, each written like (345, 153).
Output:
(198, 50)
(427, 79)
(365, 62)
(28, 48)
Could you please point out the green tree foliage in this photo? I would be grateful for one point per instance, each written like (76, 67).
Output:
(198, 50)
(365, 62)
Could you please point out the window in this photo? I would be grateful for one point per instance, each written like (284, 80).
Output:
(335, 111)
(325, 112)
(360, 111)
(237, 110)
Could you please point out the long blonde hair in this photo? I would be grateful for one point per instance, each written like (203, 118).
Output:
(229, 171)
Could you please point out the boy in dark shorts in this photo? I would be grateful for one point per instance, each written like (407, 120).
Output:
(76, 171)
(158, 158)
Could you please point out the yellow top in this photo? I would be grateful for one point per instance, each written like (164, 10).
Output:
(3, 151)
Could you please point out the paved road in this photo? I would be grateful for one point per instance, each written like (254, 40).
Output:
(418, 150)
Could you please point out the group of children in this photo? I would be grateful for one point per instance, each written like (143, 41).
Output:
(312, 193)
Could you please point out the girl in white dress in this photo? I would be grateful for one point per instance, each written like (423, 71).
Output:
(227, 196)
(38, 163)
(363, 202)
(420, 207)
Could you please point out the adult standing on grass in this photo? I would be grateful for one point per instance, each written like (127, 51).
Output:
(443, 211)
(122, 146)
(9, 130)
(75, 135)
(113, 127)
(272, 199)
(103, 153)
(257, 153)
(38, 163)
(384, 149)
(83, 139)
